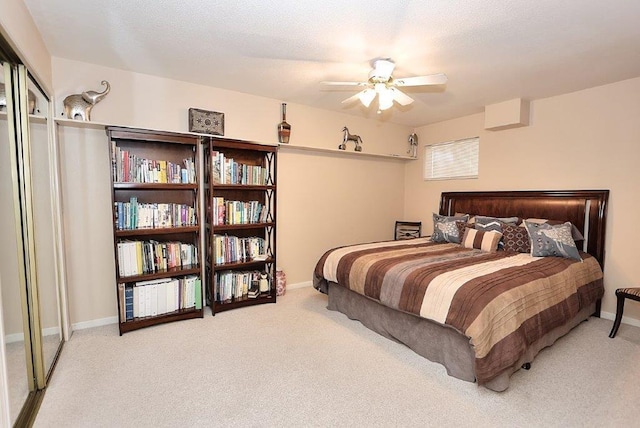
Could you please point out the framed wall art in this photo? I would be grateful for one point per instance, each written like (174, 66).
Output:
(206, 122)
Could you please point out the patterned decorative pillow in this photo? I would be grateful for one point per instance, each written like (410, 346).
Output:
(552, 240)
(515, 238)
(575, 232)
(462, 225)
(471, 220)
(485, 241)
(493, 223)
(444, 228)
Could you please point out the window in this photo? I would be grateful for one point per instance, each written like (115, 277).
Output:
(452, 160)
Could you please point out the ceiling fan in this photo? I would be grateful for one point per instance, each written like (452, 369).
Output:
(382, 83)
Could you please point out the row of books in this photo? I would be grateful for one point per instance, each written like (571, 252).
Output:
(129, 168)
(232, 285)
(143, 257)
(225, 170)
(237, 212)
(135, 215)
(161, 296)
(233, 249)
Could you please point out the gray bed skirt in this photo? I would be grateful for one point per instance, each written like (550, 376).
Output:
(436, 342)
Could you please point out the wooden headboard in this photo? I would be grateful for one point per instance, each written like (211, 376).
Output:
(586, 209)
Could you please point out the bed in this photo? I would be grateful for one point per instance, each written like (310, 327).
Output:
(483, 315)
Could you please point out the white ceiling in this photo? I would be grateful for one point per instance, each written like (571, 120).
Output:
(491, 50)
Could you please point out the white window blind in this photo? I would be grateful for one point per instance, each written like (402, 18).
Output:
(452, 160)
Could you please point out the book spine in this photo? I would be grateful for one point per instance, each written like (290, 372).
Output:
(128, 299)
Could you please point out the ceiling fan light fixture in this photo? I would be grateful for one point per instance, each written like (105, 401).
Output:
(385, 99)
(367, 96)
(385, 86)
(380, 87)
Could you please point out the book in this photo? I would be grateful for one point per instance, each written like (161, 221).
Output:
(161, 297)
(254, 289)
(128, 300)
(121, 299)
(198, 293)
(142, 294)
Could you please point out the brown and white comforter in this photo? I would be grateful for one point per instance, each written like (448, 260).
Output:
(502, 301)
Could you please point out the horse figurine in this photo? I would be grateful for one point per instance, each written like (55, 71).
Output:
(350, 137)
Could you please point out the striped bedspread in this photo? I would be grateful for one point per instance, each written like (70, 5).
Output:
(502, 301)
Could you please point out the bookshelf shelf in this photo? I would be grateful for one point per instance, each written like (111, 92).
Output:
(240, 181)
(246, 226)
(169, 273)
(148, 292)
(138, 323)
(246, 301)
(242, 187)
(155, 186)
(156, 231)
(244, 265)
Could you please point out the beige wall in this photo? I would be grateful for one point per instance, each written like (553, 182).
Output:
(327, 200)
(86, 206)
(324, 199)
(152, 102)
(17, 25)
(583, 140)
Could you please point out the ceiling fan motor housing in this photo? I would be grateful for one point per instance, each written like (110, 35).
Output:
(381, 72)
(377, 78)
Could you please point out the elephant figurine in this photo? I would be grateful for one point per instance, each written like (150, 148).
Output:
(81, 104)
(31, 97)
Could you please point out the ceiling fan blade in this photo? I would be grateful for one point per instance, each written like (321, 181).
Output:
(365, 97)
(432, 79)
(400, 97)
(344, 83)
(353, 98)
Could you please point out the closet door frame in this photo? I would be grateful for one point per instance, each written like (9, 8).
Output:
(17, 78)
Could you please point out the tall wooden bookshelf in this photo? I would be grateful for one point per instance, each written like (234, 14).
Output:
(156, 230)
(240, 237)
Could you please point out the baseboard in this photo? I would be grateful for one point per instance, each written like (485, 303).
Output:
(114, 320)
(94, 323)
(299, 285)
(50, 331)
(625, 320)
(15, 337)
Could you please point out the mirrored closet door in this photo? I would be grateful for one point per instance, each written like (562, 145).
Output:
(45, 239)
(31, 267)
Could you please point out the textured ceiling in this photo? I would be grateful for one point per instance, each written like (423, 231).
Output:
(491, 50)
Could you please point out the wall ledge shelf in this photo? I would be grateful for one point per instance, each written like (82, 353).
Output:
(101, 125)
(287, 147)
(80, 124)
(34, 118)
(344, 152)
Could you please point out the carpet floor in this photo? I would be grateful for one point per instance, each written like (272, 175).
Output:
(296, 364)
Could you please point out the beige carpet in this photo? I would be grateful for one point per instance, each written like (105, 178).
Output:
(297, 364)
